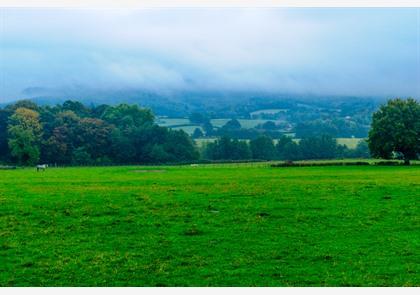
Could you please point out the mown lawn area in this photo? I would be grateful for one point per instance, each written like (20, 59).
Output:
(211, 225)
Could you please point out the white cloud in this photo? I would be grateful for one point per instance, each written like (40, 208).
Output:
(334, 51)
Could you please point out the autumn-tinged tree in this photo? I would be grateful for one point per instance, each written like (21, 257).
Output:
(95, 136)
(24, 132)
(59, 147)
(396, 130)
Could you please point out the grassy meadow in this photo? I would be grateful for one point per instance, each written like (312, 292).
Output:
(211, 225)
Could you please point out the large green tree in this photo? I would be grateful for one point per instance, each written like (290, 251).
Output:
(24, 132)
(395, 130)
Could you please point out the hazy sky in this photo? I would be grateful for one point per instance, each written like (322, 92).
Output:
(364, 51)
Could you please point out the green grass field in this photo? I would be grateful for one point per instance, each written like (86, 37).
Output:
(211, 225)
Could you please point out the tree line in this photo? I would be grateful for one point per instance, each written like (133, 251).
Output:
(264, 148)
(74, 134)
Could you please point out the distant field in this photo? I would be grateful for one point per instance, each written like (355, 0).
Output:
(174, 123)
(188, 129)
(268, 111)
(245, 123)
(211, 225)
(202, 141)
(171, 122)
(351, 143)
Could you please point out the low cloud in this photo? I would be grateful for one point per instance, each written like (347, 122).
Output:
(371, 52)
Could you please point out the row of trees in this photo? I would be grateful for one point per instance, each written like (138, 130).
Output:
(72, 133)
(264, 148)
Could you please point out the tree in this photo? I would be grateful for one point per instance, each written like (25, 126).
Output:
(263, 148)
(208, 128)
(77, 107)
(179, 146)
(361, 150)
(81, 157)
(25, 131)
(94, 135)
(232, 125)
(197, 133)
(25, 103)
(269, 125)
(197, 118)
(58, 148)
(287, 149)
(4, 148)
(128, 117)
(227, 149)
(318, 147)
(395, 130)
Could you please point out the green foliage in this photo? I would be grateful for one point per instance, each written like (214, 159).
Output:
(4, 147)
(321, 147)
(269, 125)
(197, 133)
(208, 128)
(263, 148)
(72, 133)
(82, 157)
(24, 133)
(335, 127)
(128, 117)
(396, 130)
(228, 149)
(361, 150)
(287, 149)
(198, 118)
(27, 104)
(232, 124)
(211, 225)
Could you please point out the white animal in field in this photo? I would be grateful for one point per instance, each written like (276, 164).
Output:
(41, 167)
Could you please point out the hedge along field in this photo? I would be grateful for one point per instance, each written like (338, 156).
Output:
(211, 225)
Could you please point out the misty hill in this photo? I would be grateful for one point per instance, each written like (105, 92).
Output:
(223, 104)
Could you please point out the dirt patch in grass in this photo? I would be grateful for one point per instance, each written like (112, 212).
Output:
(149, 171)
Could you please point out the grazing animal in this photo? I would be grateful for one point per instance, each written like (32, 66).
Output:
(41, 167)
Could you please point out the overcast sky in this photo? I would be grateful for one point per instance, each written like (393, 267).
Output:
(346, 51)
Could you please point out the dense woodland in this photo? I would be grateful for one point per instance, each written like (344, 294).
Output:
(72, 133)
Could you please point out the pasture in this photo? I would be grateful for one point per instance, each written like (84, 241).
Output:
(211, 225)
(351, 143)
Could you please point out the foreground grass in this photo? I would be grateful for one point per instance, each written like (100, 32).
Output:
(212, 225)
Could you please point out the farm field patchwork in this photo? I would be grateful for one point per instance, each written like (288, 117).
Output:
(210, 225)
